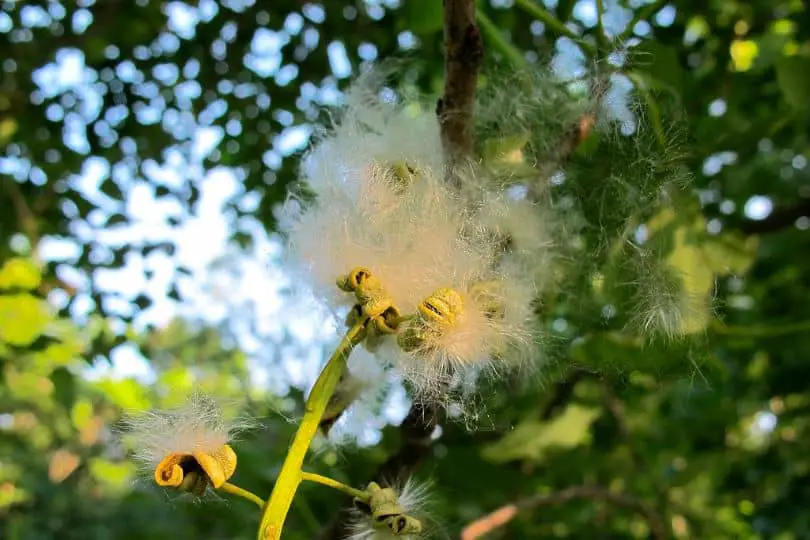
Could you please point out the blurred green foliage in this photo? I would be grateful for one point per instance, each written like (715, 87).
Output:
(715, 437)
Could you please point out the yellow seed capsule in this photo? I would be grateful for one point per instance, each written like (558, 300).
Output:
(194, 471)
(442, 309)
(371, 295)
(349, 282)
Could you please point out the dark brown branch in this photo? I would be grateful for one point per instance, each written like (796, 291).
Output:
(780, 219)
(416, 431)
(563, 393)
(505, 514)
(464, 51)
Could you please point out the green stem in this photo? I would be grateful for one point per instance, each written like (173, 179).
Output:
(493, 34)
(275, 512)
(652, 107)
(233, 489)
(306, 513)
(334, 484)
(762, 331)
(401, 319)
(553, 24)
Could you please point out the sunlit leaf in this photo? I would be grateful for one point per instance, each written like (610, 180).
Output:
(115, 476)
(743, 54)
(532, 439)
(127, 394)
(23, 318)
(19, 273)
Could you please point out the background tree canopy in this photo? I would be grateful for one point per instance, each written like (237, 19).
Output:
(143, 148)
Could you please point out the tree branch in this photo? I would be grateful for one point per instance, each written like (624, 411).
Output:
(464, 51)
(25, 217)
(505, 514)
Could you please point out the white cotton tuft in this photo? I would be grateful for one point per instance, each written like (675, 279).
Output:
(197, 426)
(664, 308)
(382, 202)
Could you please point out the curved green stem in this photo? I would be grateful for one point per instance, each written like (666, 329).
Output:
(334, 484)
(493, 34)
(554, 24)
(233, 489)
(642, 14)
(275, 512)
(402, 319)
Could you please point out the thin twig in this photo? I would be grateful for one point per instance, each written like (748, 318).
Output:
(495, 38)
(642, 14)
(601, 36)
(464, 52)
(616, 409)
(25, 217)
(754, 332)
(505, 514)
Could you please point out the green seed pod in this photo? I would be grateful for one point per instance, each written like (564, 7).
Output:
(195, 482)
(412, 337)
(387, 513)
(485, 294)
(404, 175)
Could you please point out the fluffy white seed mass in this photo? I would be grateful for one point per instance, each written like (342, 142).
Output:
(197, 426)
(381, 202)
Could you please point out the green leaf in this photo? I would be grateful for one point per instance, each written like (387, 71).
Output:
(19, 273)
(793, 76)
(81, 413)
(532, 439)
(128, 394)
(507, 149)
(730, 253)
(115, 476)
(23, 318)
(64, 387)
(660, 64)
